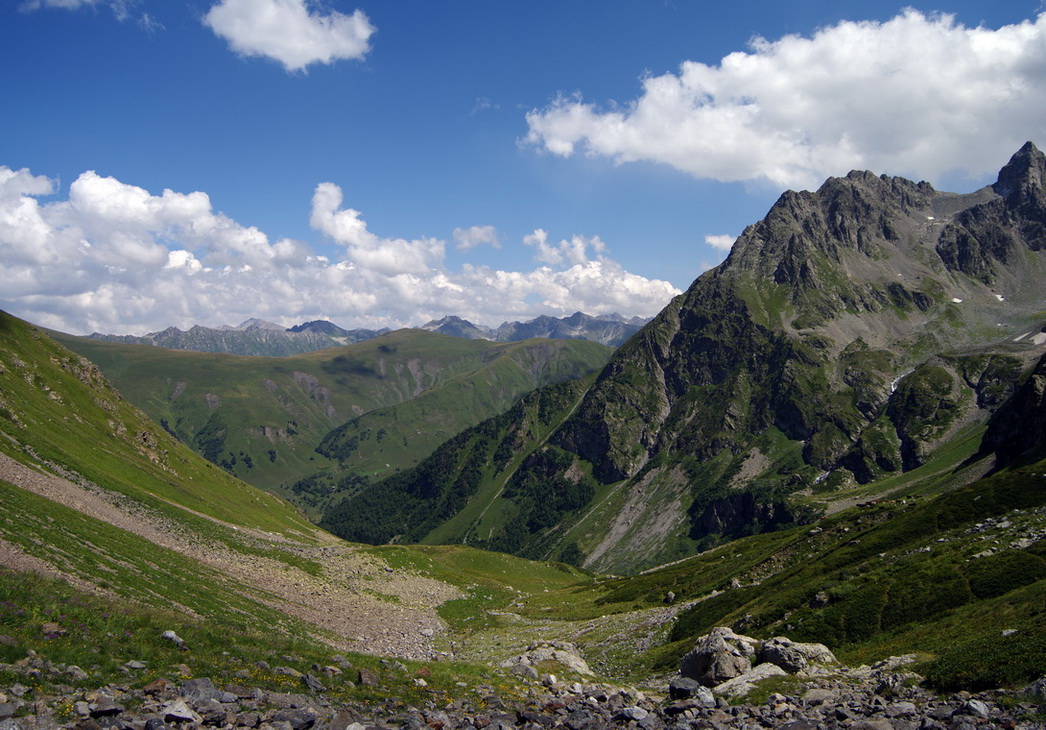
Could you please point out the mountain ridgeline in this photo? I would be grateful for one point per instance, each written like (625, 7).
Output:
(266, 339)
(857, 341)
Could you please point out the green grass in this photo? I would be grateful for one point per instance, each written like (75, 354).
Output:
(486, 513)
(490, 581)
(58, 409)
(128, 565)
(101, 633)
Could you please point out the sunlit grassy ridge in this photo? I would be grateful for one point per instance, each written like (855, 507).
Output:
(55, 407)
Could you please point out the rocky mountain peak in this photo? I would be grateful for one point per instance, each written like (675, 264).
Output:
(1022, 177)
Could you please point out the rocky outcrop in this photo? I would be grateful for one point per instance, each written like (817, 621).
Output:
(719, 656)
(793, 656)
(733, 664)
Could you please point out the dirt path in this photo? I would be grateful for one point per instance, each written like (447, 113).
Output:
(367, 606)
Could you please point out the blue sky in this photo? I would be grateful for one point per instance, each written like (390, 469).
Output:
(387, 163)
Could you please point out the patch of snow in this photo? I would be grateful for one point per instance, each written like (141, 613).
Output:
(1018, 338)
(1039, 338)
(957, 300)
(1000, 297)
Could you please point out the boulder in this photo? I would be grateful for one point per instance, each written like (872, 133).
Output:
(198, 690)
(179, 711)
(685, 688)
(1037, 689)
(743, 684)
(718, 656)
(557, 651)
(793, 656)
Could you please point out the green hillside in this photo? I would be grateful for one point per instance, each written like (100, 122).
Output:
(352, 412)
(56, 407)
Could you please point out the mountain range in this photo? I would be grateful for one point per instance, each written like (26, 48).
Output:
(856, 342)
(267, 339)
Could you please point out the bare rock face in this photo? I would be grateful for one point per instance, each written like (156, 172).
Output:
(718, 656)
(793, 656)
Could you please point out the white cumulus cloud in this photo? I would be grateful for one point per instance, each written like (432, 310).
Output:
(469, 238)
(113, 257)
(723, 242)
(574, 251)
(290, 31)
(917, 95)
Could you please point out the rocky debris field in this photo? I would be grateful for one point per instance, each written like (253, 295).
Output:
(880, 697)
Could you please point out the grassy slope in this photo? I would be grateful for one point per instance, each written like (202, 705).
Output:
(264, 417)
(47, 415)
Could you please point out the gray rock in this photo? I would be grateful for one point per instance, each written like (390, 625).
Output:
(872, 724)
(198, 690)
(718, 656)
(524, 670)
(104, 706)
(683, 688)
(179, 711)
(1037, 688)
(977, 708)
(801, 725)
(741, 685)
(556, 651)
(175, 639)
(634, 713)
(793, 656)
(820, 696)
(7, 709)
(312, 683)
(296, 718)
(75, 673)
(211, 711)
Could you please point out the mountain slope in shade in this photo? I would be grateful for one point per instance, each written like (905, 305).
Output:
(856, 340)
